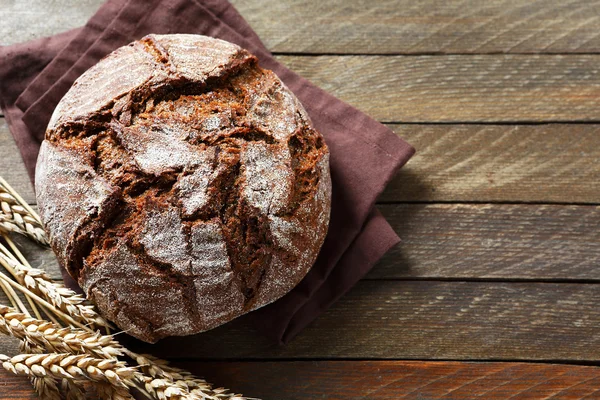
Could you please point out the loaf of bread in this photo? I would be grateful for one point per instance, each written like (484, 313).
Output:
(182, 186)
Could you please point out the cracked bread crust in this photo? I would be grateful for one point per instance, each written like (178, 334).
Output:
(182, 186)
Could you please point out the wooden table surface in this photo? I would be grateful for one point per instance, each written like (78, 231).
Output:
(495, 290)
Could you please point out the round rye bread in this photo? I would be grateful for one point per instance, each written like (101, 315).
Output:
(182, 186)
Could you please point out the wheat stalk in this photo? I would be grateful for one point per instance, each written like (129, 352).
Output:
(63, 316)
(49, 336)
(17, 216)
(162, 380)
(57, 294)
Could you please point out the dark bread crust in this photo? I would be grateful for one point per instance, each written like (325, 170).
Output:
(182, 185)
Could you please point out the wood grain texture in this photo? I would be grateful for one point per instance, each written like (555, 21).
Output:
(474, 88)
(425, 320)
(514, 163)
(385, 380)
(354, 26)
(405, 26)
(492, 241)
(11, 164)
(495, 163)
(381, 380)
(32, 19)
(470, 242)
(15, 387)
(444, 320)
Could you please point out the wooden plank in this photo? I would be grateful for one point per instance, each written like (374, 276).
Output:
(425, 320)
(38, 256)
(451, 320)
(479, 88)
(15, 387)
(495, 163)
(384, 380)
(405, 26)
(493, 241)
(380, 380)
(32, 19)
(485, 163)
(11, 164)
(386, 26)
(471, 242)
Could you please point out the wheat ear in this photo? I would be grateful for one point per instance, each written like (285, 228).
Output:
(51, 337)
(17, 216)
(63, 298)
(161, 381)
(166, 380)
(46, 387)
(106, 392)
(79, 368)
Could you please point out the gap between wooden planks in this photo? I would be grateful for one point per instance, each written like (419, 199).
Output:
(422, 319)
(430, 320)
(497, 242)
(461, 89)
(474, 88)
(553, 163)
(387, 380)
(387, 26)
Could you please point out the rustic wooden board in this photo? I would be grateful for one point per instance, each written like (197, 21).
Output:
(473, 88)
(477, 88)
(32, 19)
(381, 380)
(484, 163)
(470, 281)
(15, 387)
(11, 164)
(493, 241)
(471, 242)
(350, 26)
(406, 26)
(426, 320)
(421, 320)
(385, 380)
(493, 163)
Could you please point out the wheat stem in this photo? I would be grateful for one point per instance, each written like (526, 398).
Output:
(6, 289)
(18, 257)
(20, 200)
(15, 299)
(22, 259)
(17, 216)
(15, 251)
(61, 297)
(59, 313)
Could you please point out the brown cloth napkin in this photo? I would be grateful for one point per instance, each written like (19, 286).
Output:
(364, 154)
